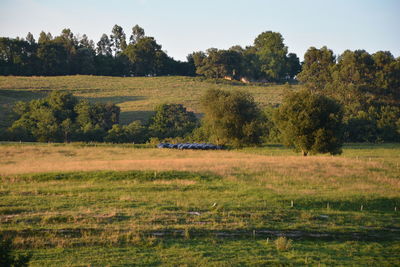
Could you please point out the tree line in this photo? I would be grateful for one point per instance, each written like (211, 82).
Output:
(69, 54)
(140, 55)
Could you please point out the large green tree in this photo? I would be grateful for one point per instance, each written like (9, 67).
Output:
(172, 120)
(271, 52)
(231, 118)
(310, 123)
(317, 67)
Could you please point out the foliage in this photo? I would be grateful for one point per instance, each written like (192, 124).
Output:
(61, 117)
(366, 85)
(134, 132)
(231, 118)
(311, 123)
(172, 120)
(267, 60)
(271, 52)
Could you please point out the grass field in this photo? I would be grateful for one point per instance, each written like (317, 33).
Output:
(136, 96)
(80, 205)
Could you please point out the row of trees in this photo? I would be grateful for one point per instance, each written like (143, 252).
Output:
(140, 55)
(61, 117)
(309, 122)
(69, 54)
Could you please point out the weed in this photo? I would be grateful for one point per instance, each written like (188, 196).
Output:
(283, 244)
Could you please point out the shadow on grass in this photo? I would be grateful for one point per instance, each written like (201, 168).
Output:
(355, 204)
(114, 99)
(254, 233)
(141, 115)
(143, 176)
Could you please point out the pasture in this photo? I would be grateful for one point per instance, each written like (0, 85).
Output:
(98, 204)
(136, 96)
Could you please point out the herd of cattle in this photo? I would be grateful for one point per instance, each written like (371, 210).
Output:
(202, 146)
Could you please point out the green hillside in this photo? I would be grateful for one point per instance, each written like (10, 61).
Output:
(137, 96)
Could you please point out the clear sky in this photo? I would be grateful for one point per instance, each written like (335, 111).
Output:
(184, 26)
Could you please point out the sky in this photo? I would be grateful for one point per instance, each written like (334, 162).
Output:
(185, 26)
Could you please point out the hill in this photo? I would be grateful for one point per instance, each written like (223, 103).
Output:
(137, 96)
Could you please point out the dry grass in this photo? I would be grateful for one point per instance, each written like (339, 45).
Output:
(48, 158)
(273, 172)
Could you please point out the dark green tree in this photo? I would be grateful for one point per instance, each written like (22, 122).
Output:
(30, 39)
(310, 123)
(43, 37)
(53, 58)
(317, 67)
(231, 118)
(218, 63)
(143, 56)
(293, 65)
(134, 132)
(271, 52)
(172, 120)
(118, 39)
(137, 34)
(104, 46)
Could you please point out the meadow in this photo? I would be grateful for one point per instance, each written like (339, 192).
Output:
(121, 205)
(99, 204)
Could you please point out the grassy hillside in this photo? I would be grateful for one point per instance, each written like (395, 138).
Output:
(137, 96)
(76, 205)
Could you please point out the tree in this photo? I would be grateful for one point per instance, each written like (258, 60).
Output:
(231, 118)
(310, 123)
(137, 34)
(104, 46)
(172, 120)
(134, 132)
(293, 65)
(352, 81)
(317, 67)
(53, 58)
(143, 56)
(118, 39)
(218, 63)
(271, 52)
(30, 39)
(43, 37)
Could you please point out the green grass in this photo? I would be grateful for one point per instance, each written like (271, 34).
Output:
(136, 96)
(150, 218)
